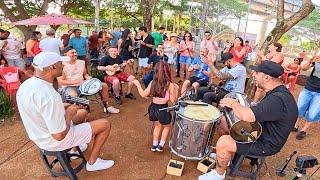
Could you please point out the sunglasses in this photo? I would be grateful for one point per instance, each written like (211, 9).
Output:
(296, 59)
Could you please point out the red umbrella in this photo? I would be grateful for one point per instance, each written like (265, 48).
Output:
(51, 19)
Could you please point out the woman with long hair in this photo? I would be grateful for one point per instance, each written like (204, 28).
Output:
(32, 45)
(237, 49)
(162, 90)
(125, 47)
(274, 53)
(186, 49)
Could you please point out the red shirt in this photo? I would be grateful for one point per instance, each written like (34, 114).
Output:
(302, 55)
(235, 57)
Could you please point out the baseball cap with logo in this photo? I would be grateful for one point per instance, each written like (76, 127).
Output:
(269, 68)
(46, 59)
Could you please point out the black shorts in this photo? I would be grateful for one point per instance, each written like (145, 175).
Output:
(292, 74)
(163, 117)
(258, 148)
(201, 81)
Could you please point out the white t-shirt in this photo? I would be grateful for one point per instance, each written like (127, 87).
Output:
(50, 44)
(42, 112)
(12, 49)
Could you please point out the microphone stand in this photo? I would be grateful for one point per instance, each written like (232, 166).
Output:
(281, 172)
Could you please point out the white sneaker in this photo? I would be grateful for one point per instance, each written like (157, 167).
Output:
(111, 109)
(100, 164)
(212, 175)
(82, 147)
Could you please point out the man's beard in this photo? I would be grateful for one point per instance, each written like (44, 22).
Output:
(228, 66)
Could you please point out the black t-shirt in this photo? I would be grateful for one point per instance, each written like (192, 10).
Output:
(154, 59)
(313, 82)
(108, 60)
(144, 50)
(277, 113)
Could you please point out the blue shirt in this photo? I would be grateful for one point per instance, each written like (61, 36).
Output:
(117, 36)
(79, 44)
(237, 83)
(203, 67)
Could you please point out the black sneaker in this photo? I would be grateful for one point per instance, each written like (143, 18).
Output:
(159, 148)
(154, 148)
(301, 135)
(118, 100)
(130, 96)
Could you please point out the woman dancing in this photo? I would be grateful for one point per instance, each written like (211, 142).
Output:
(162, 90)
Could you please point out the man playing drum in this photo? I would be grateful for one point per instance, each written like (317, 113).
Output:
(201, 72)
(233, 77)
(277, 113)
(73, 75)
(111, 64)
(48, 124)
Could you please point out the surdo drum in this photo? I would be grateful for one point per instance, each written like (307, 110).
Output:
(193, 129)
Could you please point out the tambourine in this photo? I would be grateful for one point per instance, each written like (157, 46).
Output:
(90, 87)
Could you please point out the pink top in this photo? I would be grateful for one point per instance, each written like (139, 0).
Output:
(190, 45)
(209, 45)
(164, 100)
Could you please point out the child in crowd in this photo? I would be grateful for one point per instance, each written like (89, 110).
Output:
(162, 90)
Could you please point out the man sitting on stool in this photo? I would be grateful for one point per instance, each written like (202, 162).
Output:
(234, 75)
(46, 121)
(73, 75)
(107, 64)
(201, 72)
(277, 113)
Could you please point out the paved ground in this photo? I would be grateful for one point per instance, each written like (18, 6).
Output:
(129, 145)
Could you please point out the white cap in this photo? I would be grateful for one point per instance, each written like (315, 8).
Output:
(46, 59)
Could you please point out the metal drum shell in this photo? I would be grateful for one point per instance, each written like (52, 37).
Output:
(85, 86)
(192, 140)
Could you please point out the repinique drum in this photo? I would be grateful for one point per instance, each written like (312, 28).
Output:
(193, 129)
(90, 87)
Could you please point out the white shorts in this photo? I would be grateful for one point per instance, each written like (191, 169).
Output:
(143, 62)
(78, 134)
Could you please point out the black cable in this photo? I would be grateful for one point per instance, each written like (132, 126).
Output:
(13, 155)
(313, 173)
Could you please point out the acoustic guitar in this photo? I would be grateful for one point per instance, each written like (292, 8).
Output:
(118, 67)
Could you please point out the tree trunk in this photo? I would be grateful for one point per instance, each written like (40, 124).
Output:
(22, 14)
(285, 24)
(282, 26)
(204, 16)
(148, 6)
(179, 21)
(97, 14)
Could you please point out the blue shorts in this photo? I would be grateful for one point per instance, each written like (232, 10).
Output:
(308, 105)
(185, 60)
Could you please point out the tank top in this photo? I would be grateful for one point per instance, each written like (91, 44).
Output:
(35, 49)
(125, 53)
(74, 72)
(293, 68)
(160, 100)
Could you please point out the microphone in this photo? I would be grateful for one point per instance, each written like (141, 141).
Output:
(281, 172)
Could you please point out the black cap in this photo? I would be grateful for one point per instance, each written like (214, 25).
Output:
(1, 30)
(269, 68)
(225, 57)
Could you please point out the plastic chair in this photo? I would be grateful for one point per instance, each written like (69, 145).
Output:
(64, 158)
(293, 82)
(10, 81)
(237, 162)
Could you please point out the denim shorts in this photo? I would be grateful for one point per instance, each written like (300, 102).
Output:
(185, 60)
(308, 105)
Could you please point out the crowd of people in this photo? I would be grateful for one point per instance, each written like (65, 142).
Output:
(153, 57)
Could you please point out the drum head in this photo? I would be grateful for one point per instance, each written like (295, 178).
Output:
(201, 113)
(90, 86)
